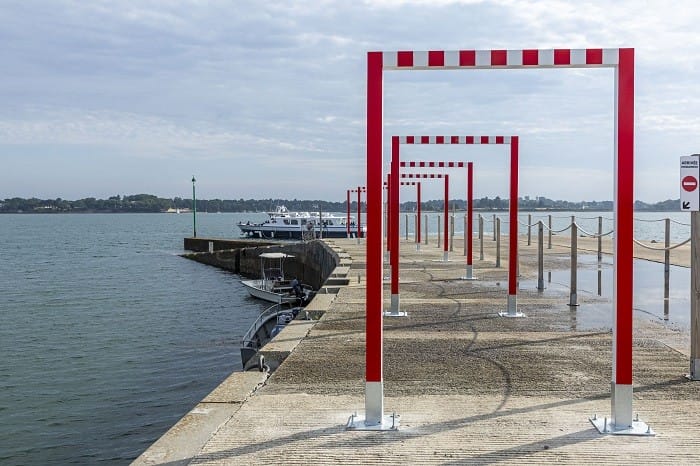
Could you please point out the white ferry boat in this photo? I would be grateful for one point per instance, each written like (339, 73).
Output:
(283, 224)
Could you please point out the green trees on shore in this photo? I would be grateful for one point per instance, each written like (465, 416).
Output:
(151, 203)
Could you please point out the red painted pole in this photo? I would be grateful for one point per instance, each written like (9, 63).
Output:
(470, 210)
(359, 213)
(624, 230)
(374, 256)
(447, 212)
(394, 218)
(513, 227)
(418, 225)
(388, 214)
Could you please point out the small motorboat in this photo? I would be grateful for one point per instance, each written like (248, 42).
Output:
(272, 286)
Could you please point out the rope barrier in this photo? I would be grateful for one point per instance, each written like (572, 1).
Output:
(593, 235)
(662, 249)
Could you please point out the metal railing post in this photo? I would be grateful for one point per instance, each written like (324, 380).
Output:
(497, 231)
(439, 238)
(465, 234)
(529, 229)
(406, 227)
(549, 225)
(540, 256)
(452, 233)
(573, 298)
(481, 237)
(600, 239)
(425, 222)
(494, 227)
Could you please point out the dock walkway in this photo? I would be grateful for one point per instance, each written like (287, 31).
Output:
(470, 387)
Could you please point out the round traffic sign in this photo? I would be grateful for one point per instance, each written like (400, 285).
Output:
(689, 183)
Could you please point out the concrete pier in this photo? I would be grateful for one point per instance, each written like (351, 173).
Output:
(470, 387)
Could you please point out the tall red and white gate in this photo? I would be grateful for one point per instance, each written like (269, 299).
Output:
(622, 61)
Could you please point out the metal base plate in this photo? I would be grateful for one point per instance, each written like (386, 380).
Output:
(508, 314)
(605, 426)
(468, 278)
(691, 378)
(389, 422)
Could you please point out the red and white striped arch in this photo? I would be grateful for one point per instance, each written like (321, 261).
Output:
(622, 62)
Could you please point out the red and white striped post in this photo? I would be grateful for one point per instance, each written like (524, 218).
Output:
(622, 61)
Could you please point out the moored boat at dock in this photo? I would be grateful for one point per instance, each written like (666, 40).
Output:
(285, 224)
(272, 285)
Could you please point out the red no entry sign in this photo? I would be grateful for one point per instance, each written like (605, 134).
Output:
(689, 183)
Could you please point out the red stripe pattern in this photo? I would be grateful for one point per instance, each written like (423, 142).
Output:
(422, 175)
(455, 139)
(526, 58)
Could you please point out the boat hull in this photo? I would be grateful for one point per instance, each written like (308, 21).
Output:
(267, 232)
(255, 291)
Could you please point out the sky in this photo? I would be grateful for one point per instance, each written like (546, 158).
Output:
(261, 99)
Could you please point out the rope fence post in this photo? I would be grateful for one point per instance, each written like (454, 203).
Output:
(494, 227)
(452, 233)
(465, 234)
(415, 228)
(481, 237)
(573, 298)
(529, 229)
(497, 231)
(406, 227)
(540, 255)
(439, 242)
(425, 222)
(549, 225)
(600, 239)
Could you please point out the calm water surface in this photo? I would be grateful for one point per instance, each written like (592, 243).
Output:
(107, 336)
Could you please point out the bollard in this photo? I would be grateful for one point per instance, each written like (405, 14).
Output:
(494, 227)
(452, 233)
(425, 222)
(549, 225)
(465, 234)
(540, 256)
(439, 232)
(497, 230)
(211, 246)
(406, 227)
(481, 237)
(529, 229)
(600, 239)
(415, 229)
(573, 298)
(667, 264)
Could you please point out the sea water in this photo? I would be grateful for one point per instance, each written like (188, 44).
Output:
(108, 337)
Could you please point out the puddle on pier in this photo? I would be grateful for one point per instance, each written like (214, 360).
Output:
(596, 280)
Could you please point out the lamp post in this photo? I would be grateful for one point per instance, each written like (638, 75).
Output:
(194, 209)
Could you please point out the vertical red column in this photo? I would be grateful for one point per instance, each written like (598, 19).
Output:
(374, 256)
(513, 227)
(447, 213)
(394, 217)
(624, 231)
(418, 225)
(388, 214)
(359, 213)
(470, 210)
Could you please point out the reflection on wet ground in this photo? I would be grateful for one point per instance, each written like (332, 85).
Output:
(595, 279)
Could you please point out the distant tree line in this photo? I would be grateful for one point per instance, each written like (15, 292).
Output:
(151, 203)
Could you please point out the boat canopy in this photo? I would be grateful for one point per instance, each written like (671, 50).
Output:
(274, 255)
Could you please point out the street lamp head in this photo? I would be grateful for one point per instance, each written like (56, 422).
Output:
(193, 180)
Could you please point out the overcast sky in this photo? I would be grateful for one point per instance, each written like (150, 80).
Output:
(267, 99)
